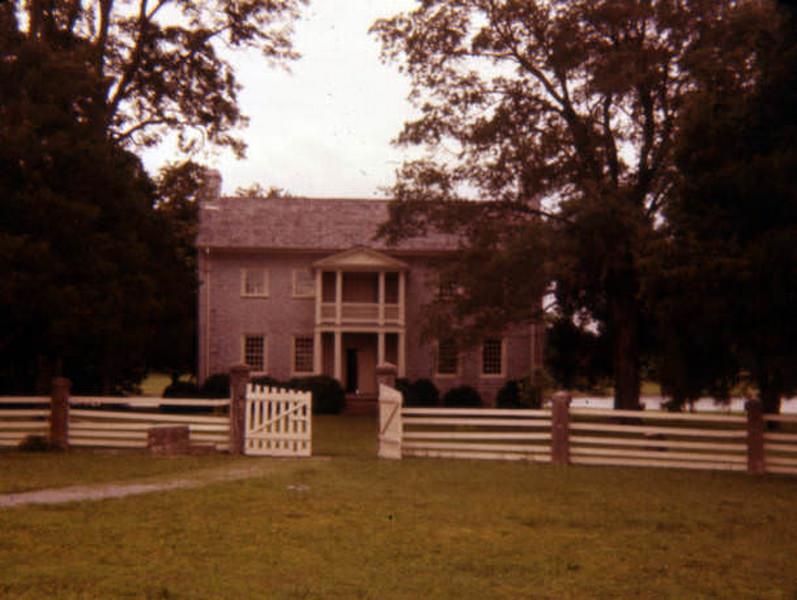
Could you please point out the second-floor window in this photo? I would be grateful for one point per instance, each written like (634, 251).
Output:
(254, 283)
(303, 283)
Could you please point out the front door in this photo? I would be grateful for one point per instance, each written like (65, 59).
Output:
(352, 372)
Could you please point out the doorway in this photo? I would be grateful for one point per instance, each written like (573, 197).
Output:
(352, 371)
(359, 368)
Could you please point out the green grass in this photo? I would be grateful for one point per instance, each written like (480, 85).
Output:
(358, 527)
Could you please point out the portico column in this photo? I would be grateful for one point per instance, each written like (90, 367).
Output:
(317, 358)
(402, 348)
(402, 299)
(319, 294)
(338, 296)
(381, 299)
(380, 349)
(338, 369)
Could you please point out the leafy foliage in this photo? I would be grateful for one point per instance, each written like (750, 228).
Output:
(418, 393)
(560, 117)
(157, 65)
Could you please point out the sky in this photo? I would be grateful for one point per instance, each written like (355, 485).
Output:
(325, 127)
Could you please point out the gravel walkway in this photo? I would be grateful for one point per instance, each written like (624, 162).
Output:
(80, 493)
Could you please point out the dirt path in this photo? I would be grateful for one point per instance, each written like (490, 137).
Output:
(80, 493)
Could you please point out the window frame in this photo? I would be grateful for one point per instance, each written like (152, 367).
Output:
(244, 338)
(294, 370)
(457, 372)
(245, 271)
(294, 288)
(502, 373)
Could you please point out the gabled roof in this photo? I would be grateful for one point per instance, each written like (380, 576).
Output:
(323, 224)
(363, 258)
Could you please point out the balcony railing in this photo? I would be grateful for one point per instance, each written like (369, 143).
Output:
(359, 312)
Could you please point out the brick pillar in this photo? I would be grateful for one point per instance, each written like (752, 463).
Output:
(239, 378)
(756, 463)
(386, 374)
(59, 413)
(560, 428)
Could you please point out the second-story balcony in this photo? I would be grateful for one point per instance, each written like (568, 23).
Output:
(360, 312)
(360, 287)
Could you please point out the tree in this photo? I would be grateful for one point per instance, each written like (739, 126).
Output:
(560, 117)
(157, 65)
(87, 261)
(733, 222)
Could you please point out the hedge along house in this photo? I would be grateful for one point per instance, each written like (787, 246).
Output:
(299, 286)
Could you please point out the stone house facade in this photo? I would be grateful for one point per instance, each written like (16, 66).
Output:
(300, 286)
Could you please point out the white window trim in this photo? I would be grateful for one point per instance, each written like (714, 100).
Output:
(295, 293)
(502, 374)
(437, 373)
(294, 372)
(266, 283)
(265, 352)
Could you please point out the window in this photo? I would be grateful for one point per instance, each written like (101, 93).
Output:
(447, 357)
(254, 283)
(493, 357)
(303, 354)
(303, 283)
(255, 352)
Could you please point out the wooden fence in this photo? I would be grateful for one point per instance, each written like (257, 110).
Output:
(564, 435)
(21, 417)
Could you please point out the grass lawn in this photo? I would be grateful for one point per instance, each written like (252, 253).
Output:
(358, 527)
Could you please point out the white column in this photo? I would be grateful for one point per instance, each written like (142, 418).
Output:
(338, 369)
(380, 349)
(319, 295)
(318, 359)
(381, 298)
(402, 348)
(401, 299)
(338, 296)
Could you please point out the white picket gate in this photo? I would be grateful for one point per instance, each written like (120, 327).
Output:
(278, 422)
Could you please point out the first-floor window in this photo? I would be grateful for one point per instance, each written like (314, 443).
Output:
(493, 357)
(255, 352)
(447, 357)
(303, 354)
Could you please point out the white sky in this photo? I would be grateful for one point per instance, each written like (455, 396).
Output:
(324, 129)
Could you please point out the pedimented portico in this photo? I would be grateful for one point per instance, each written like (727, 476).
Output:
(360, 311)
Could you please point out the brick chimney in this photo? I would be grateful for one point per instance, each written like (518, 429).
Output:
(211, 189)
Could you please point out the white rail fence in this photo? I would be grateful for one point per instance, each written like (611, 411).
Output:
(126, 422)
(21, 417)
(278, 422)
(564, 435)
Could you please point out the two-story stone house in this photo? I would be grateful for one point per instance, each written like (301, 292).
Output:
(299, 286)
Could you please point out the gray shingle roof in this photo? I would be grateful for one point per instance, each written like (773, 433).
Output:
(302, 223)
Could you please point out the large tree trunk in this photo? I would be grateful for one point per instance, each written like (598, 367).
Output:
(624, 307)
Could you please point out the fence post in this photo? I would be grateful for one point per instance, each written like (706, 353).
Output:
(59, 412)
(386, 374)
(239, 378)
(560, 428)
(756, 463)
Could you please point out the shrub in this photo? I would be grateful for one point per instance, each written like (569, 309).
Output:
(509, 395)
(424, 393)
(463, 396)
(216, 386)
(268, 381)
(328, 395)
(37, 443)
(182, 389)
(525, 393)
(404, 386)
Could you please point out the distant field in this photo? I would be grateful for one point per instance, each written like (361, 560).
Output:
(358, 527)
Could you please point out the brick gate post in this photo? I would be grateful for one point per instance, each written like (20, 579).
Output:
(560, 428)
(239, 378)
(59, 413)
